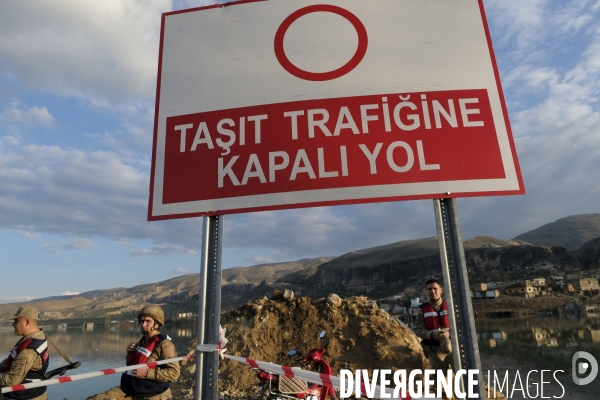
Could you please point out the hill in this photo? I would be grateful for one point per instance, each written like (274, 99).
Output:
(180, 293)
(570, 232)
(377, 272)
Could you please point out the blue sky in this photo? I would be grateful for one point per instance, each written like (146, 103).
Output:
(77, 88)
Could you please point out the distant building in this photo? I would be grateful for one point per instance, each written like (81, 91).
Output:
(397, 309)
(527, 291)
(592, 311)
(479, 287)
(485, 294)
(587, 286)
(539, 282)
(186, 315)
(396, 297)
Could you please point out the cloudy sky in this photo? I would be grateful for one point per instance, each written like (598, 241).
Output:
(77, 92)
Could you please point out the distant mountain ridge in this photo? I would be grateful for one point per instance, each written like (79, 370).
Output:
(377, 272)
(570, 232)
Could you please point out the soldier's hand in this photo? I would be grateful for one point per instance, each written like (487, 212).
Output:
(131, 346)
(140, 372)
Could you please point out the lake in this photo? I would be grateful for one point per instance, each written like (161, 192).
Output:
(511, 344)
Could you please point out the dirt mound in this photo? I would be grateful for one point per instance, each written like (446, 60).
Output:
(360, 335)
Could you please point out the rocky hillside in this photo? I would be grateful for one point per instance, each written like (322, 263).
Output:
(589, 253)
(385, 270)
(180, 293)
(376, 272)
(570, 232)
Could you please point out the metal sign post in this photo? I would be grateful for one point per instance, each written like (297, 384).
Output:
(457, 294)
(209, 307)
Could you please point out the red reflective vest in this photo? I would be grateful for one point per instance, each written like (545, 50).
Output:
(142, 352)
(40, 346)
(433, 320)
(134, 386)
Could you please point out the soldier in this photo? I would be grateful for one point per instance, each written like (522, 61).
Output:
(434, 329)
(144, 383)
(28, 360)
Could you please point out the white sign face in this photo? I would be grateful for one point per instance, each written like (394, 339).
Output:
(278, 104)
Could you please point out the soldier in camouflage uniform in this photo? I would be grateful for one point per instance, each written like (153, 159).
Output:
(28, 360)
(144, 383)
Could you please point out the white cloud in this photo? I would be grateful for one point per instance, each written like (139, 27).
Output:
(50, 248)
(68, 293)
(68, 191)
(15, 299)
(27, 116)
(75, 244)
(25, 232)
(79, 244)
(9, 141)
(85, 49)
(181, 271)
(97, 50)
(163, 249)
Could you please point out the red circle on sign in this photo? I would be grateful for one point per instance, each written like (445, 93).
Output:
(321, 76)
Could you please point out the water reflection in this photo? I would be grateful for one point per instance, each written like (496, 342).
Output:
(540, 343)
(185, 332)
(540, 332)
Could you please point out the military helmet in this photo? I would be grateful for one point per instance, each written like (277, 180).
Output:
(153, 311)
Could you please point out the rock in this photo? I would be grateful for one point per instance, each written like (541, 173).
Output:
(277, 295)
(334, 300)
(256, 308)
(262, 302)
(288, 295)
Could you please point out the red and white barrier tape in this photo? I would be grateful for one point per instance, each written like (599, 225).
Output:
(292, 372)
(309, 376)
(110, 371)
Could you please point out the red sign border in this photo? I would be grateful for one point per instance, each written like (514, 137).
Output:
(151, 217)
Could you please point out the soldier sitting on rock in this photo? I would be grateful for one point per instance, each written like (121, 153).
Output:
(433, 327)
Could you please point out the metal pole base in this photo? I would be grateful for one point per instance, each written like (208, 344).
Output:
(209, 308)
(458, 294)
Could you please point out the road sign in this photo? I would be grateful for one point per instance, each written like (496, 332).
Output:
(281, 104)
